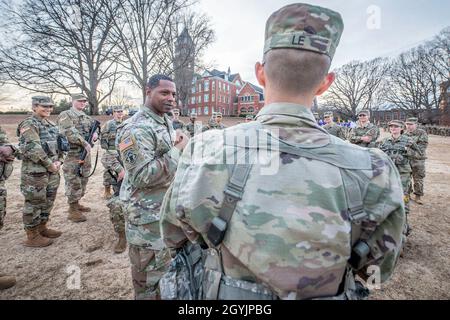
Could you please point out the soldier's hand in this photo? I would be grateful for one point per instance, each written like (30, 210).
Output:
(57, 164)
(53, 168)
(121, 175)
(6, 152)
(95, 137)
(366, 139)
(181, 140)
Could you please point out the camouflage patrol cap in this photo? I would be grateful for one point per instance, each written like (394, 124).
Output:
(79, 97)
(117, 108)
(42, 101)
(397, 123)
(249, 117)
(177, 111)
(193, 116)
(412, 121)
(328, 114)
(366, 112)
(218, 114)
(304, 27)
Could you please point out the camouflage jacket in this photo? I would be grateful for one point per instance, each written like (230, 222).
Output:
(290, 231)
(192, 128)
(336, 130)
(370, 130)
(38, 143)
(420, 137)
(145, 145)
(401, 151)
(108, 135)
(6, 168)
(178, 124)
(75, 125)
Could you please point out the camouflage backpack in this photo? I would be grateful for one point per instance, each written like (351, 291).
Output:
(196, 273)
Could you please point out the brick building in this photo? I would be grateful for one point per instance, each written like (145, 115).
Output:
(218, 91)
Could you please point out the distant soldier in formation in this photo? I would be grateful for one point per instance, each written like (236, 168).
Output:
(149, 149)
(215, 122)
(7, 153)
(248, 119)
(41, 161)
(115, 174)
(365, 134)
(402, 150)
(420, 137)
(108, 143)
(75, 125)
(177, 123)
(192, 127)
(333, 128)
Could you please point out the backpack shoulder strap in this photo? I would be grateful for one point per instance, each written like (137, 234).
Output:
(234, 191)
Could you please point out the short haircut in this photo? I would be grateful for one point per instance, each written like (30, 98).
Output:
(296, 71)
(153, 81)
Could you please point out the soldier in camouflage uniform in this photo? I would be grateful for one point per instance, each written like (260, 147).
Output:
(365, 134)
(420, 137)
(7, 153)
(332, 127)
(41, 161)
(149, 148)
(177, 123)
(286, 232)
(75, 125)
(402, 150)
(115, 173)
(108, 143)
(193, 126)
(215, 122)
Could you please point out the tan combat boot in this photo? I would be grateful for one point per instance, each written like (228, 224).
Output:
(107, 195)
(121, 245)
(48, 233)
(7, 282)
(418, 200)
(82, 208)
(74, 214)
(35, 240)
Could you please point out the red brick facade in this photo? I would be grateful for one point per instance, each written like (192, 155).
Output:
(217, 91)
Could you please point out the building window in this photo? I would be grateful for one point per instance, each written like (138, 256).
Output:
(193, 89)
(199, 111)
(205, 111)
(199, 87)
(206, 86)
(206, 98)
(213, 98)
(193, 100)
(214, 85)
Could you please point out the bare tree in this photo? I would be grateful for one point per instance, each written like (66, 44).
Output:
(356, 87)
(146, 32)
(414, 82)
(59, 46)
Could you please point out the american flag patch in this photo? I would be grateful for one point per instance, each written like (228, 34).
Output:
(126, 144)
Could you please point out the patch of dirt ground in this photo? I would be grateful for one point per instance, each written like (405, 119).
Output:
(86, 249)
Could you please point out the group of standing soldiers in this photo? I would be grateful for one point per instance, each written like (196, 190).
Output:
(44, 148)
(406, 147)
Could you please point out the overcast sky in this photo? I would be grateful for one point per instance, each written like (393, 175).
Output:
(240, 25)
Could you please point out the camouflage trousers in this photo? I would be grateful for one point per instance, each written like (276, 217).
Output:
(39, 190)
(116, 211)
(147, 268)
(108, 179)
(2, 202)
(406, 185)
(75, 185)
(418, 175)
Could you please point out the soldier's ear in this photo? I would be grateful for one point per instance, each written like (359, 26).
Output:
(260, 74)
(326, 83)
